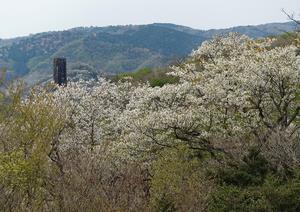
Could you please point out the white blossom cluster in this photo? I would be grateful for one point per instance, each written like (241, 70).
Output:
(92, 111)
(228, 87)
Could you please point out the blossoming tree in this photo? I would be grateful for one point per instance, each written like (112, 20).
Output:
(231, 88)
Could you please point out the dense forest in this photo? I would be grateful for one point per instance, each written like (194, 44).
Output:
(218, 131)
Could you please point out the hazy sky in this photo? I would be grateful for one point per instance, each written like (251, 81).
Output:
(22, 17)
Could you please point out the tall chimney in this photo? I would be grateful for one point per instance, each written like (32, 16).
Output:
(60, 71)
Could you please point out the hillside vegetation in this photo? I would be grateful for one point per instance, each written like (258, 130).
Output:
(221, 135)
(111, 50)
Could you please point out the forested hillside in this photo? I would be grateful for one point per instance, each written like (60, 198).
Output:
(110, 50)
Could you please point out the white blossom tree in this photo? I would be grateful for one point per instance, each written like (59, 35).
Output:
(231, 88)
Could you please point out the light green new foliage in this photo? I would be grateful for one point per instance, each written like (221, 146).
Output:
(178, 181)
(28, 129)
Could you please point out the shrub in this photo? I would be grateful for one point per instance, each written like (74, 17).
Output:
(179, 182)
(251, 171)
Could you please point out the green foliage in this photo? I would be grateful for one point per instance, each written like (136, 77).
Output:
(230, 198)
(139, 75)
(18, 172)
(253, 186)
(156, 78)
(252, 171)
(287, 39)
(178, 177)
(28, 131)
(272, 195)
(159, 82)
(164, 205)
(282, 195)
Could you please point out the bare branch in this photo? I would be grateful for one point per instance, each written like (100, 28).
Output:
(291, 17)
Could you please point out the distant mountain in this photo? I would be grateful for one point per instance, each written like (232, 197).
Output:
(110, 50)
(257, 31)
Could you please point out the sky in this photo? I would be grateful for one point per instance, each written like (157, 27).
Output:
(24, 17)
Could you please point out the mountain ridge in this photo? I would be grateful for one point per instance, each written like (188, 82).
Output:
(163, 24)
(112, 49)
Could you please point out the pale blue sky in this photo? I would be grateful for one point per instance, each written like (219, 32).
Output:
(22, 17)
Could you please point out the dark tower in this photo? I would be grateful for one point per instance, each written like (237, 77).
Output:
(60, 71)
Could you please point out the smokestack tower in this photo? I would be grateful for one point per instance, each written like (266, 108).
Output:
(60, 71)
